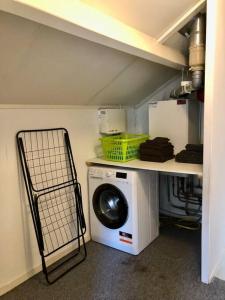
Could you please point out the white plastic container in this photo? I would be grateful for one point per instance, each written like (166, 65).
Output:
(111, 120)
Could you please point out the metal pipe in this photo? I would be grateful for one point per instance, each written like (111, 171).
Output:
(183, 196)
(186, 208)
(197, 51)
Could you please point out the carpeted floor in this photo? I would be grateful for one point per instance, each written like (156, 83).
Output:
(168, 269)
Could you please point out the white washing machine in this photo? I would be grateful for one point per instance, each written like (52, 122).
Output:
(123, 207)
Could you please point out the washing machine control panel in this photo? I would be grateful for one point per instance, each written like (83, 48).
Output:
(96, 173)
(110, 173)
(107, 173)
(121, 175)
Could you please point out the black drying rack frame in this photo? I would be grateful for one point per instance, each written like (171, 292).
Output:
(54, 195)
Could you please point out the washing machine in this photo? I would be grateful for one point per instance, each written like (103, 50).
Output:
(123, 207)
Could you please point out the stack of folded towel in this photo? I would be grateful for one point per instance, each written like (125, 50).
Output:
(193, 154)
(157, 150)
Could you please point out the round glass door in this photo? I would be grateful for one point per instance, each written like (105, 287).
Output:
(110, 206)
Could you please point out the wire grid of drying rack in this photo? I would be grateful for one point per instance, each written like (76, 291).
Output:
(54, 195)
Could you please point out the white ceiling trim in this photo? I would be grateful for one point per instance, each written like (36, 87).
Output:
(182, 21)
(81, 20)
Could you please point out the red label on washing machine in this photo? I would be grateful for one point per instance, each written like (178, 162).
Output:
(125, 237)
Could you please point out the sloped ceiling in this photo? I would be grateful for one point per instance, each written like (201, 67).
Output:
(179, 42)
(41, 65)
(152, 17)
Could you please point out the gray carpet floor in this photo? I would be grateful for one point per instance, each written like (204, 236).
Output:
(168, 269)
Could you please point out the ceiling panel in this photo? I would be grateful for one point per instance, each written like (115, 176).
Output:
(179, 42)
(41, 65)
(150, 16)
(136, 82)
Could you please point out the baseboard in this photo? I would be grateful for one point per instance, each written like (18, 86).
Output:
(36, 269)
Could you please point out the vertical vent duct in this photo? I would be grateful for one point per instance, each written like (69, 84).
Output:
(197, 52)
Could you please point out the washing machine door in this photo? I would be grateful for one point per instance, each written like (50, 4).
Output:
(110, 206)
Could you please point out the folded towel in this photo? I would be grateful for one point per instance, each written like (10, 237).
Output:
(157, 150)
(160, 140)
(149, 151)
(156, 158)
(191, 157)
(194, 147)
(156, 146)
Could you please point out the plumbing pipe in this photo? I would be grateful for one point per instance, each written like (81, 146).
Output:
(197, 52)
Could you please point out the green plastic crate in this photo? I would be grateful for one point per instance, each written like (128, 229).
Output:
(122, 147)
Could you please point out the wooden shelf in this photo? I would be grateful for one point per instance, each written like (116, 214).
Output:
(171, 166)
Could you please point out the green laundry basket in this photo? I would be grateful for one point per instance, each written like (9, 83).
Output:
(122, 147)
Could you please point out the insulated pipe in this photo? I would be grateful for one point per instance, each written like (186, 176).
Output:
(197, 51)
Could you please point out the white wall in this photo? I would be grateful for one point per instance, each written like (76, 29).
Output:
(137, 117)
(18, 250)
(213, 242)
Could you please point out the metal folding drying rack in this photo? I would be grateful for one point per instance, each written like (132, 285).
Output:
(54, 196)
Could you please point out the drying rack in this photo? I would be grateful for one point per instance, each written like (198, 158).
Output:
(54, 195)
